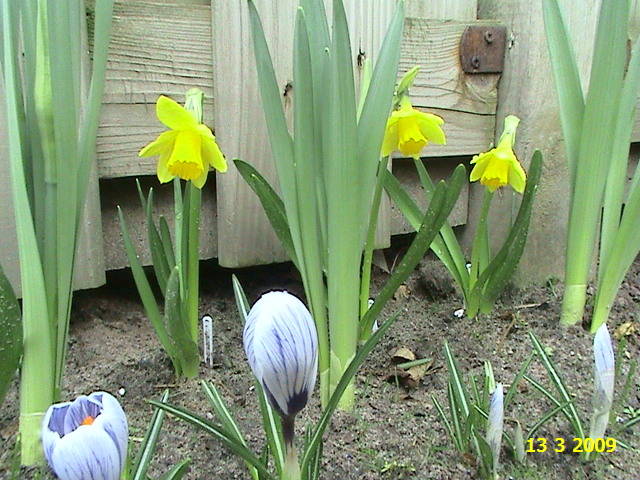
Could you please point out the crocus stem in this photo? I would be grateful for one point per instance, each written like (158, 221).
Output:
(291, 469)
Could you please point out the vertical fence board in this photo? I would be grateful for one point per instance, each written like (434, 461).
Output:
(527, 90)
(443, 9)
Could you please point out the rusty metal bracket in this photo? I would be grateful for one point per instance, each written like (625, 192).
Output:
(482, 49)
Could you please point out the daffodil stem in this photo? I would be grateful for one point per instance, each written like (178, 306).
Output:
(480, 248)
(193, 103)
(367, 260)
(193, 270)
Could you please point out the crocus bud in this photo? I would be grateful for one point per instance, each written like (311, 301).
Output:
(281, 343)
(604, 375)
(86, 438)
(495, 424)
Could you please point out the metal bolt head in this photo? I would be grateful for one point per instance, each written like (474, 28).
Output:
(475, 61)
(488, 36)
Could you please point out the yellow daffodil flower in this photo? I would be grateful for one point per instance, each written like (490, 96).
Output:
(187, 149)
(499, 166)
(410, 130)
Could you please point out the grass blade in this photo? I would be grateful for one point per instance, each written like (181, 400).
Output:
(218, 433)
(443, 201)
(519, 376)
(177, 324)
(458, 389)
(228, 423)
(270, 421)
(556, 379)
(444, 419)
(178, 471)
(145, 455)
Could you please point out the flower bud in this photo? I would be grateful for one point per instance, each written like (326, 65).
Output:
(495, 424)
(604, 374)
(281, 343)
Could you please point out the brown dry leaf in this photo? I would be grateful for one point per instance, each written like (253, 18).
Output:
(411, 377)
(403, 354)
(624, 330)
(402, 292)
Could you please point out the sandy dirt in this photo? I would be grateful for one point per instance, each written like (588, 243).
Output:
(394, 433)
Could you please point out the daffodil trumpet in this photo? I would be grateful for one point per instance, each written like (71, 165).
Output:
(185, 152)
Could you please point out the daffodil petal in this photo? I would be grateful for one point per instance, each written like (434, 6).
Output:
(163, 172)
(478, 171)
(517, 177)
(174, 115)
(201, 180)
(162, 144)
(430, 128)
(212, 155)
(205, 131)
(390, 142)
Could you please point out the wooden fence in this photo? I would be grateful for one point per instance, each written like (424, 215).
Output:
(167, 46)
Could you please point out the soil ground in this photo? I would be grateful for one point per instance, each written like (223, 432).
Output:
(394, 432)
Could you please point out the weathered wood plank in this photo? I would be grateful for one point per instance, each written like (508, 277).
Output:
(158, 47)
(244, 235)
(123, 192)
(441, 83)
(442, 10)
(128, 125)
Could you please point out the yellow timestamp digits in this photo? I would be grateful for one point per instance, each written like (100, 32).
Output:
(580, 445)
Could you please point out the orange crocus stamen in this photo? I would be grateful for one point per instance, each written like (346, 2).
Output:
(88, 420)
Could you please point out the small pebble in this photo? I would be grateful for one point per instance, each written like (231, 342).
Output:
(459, 313)
(121, 391)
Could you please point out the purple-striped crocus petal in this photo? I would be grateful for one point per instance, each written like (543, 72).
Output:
(95, 451)
(281, 343)
(81, 408)
(495, 423)
(113, 421)
(87, 453)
